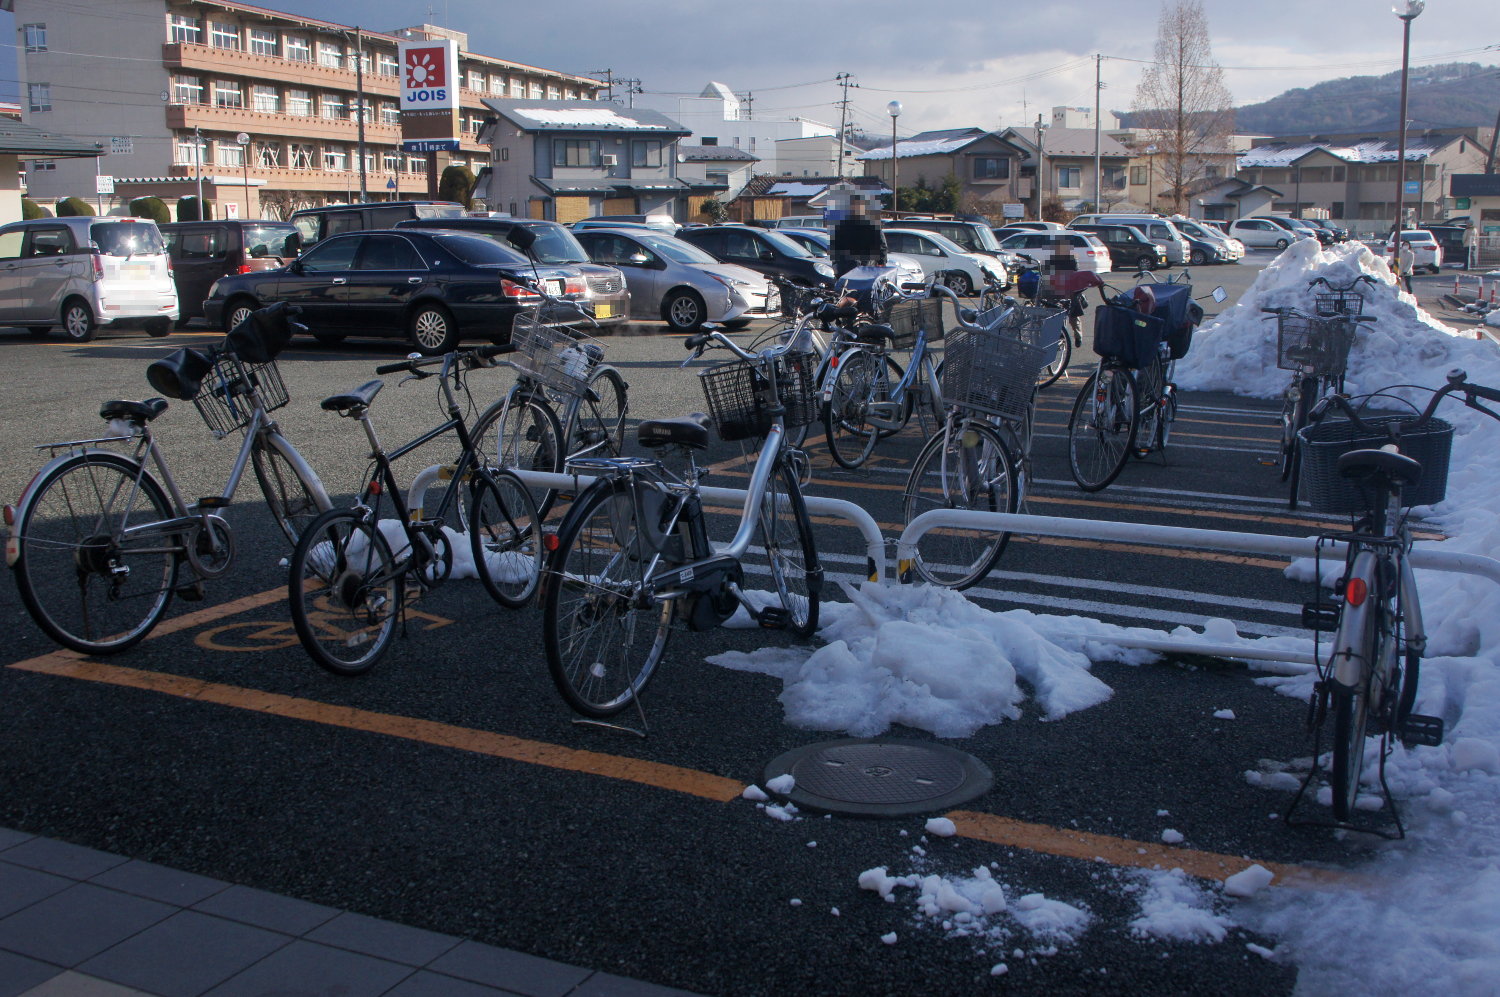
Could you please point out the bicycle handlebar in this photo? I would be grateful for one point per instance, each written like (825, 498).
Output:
(1457, 381)
(1364, 277)
(414, 364)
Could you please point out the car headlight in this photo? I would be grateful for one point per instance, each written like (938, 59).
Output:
(728, 281)
(823, 269)
(213, 289)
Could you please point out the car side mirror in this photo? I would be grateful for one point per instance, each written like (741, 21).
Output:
(1220, 295)
(296, 266)
(638, 259)
(522, 238)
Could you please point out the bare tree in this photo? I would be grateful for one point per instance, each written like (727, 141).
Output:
(1184, 106)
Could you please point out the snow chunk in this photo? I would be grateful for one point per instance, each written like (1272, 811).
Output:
(1472, 753)
(889, 938)
(941, 826)
(1248, 882)
(782, 784)
(1175, 908)
(1171, 836)
(1224, 715)
(755, 794)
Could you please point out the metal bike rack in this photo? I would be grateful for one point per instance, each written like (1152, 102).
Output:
(1171, 536)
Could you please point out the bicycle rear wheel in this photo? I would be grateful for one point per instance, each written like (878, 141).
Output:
(528, 438)
(91, 587)
(1102, 427)
(862, 379)
(599, 427)
(1049, 374)
(786, 532)
(603, 636)
(295, 498)
(345, 592)
(1351, 711)
(505, 537)
(970, 467)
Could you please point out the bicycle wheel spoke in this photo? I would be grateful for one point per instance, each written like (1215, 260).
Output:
(345, 592)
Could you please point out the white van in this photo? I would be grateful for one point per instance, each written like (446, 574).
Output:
(1265, 233)
(1154, 227)
(81, 271)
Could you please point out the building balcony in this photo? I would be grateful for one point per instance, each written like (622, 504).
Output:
(277, 125)
(275, 178)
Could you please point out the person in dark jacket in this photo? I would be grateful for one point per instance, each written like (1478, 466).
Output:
(857, 239)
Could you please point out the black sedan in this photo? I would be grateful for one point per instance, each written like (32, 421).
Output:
(432, 287)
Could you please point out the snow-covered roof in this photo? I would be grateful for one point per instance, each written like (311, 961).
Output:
(715, 154)
(940, 143)
(582, 115)
(717, 89)
(1373, 150)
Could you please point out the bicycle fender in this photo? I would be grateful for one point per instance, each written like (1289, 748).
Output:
(28, 494)
(1351, 642)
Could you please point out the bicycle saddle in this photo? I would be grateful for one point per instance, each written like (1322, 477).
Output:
(1362, 465)
(137, 412)
(684, 431)
(874, 332)
(358, 399)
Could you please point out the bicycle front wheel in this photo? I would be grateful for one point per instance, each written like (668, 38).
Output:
(1102, 427)
(861, 381)
(970, 467)
(521, 432)
(599, 427)
(505, 537)
(1050, 373)
(91, 570)
(293, 494)
(786, 532)
(345, 592)
(604, 637)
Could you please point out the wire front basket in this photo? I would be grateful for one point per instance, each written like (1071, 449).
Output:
(908, 316)
(739, 394)
(796, 299)
(1331, 303)
(226, 399)
(992, 372)
(1325, 442)
(560, 358)
(1312, 345)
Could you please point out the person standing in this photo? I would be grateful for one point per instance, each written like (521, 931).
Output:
(1406, 262)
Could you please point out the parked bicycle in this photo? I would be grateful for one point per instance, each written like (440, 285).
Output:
(1060, 290)
(1375, 467)
(1316, 349)
(101, 544)
(633, 554)
(356, 569)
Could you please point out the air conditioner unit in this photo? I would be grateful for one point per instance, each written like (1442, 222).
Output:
(609, 159)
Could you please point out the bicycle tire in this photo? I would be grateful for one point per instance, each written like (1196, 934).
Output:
(786, 532)
(602, 646)
(530, 440)
(345, 591)
(1049, 374)
(1289, 427)
(971, 468)
(61, 548)
(1350, 717)
(599, 424)
(1102, 428)
(861, 379)
(294, 498)
(505, 537)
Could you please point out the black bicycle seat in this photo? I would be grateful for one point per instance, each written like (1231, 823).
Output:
(684, 431)
(1362, 465)
(359, 398)
(137, 412)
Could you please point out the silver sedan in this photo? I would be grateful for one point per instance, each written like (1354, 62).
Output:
(676, 281)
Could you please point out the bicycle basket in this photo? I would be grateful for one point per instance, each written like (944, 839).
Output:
(739, 395)
(1313, 346)
(991, 372)
(1324, 443)
(795, 298)
(556, 356)
(225, 399)
(1331, 303)
(906, 317)
(1036, 326)
(1127, 335)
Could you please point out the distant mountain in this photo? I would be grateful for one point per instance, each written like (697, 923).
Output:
(1448, 96)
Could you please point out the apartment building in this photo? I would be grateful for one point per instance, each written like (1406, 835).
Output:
(260, 107)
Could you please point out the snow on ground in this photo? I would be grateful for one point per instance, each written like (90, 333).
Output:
(1426, 914)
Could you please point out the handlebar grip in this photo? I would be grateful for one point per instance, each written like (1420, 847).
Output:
(494, 350)
(1272, 311)
(910, 286)
(393, 368)
(695, 341)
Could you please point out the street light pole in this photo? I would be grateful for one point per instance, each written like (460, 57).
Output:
(359, 102)
(1041, 170)
(1150, 177)
(243, 138)
(894, 109)
(1407, 11)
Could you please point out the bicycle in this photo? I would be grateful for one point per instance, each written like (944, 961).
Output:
(633, 555)
(1130, 395)
(980, 457)
(100, 543)
(348, 586)
(1063, 289)
(1375, 467)
(1316, 349)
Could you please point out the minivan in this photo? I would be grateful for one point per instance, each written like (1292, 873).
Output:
(1260, 232)
(80, 271)
(972, 236)
(760, 249)
(1128, 248)
(202, 252)
(314, 224)
(1154, 227)
(658, 220)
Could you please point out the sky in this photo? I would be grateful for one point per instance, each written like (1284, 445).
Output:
(950, 63)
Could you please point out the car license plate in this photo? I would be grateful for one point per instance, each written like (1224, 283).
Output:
(554, 287)
(603, 310)
(135, 269)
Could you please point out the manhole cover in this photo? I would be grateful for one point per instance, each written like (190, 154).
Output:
(881, 778)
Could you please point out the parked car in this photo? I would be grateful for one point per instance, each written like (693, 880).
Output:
(1451, 239)
(971, 236)
(1128, 247)
(316, 224)
(81, 271)
(657, 220)
(1154, 227)
(801, 221)
(1229, 250)
(1088, 252)
(433, 287)
(608, 296)
(941, 256)
(765, 251)
(1425, 248)
(1323, 235)
(1037, 226)
(1265, 233)
(673, 280)
(817, 241)
(202, 252)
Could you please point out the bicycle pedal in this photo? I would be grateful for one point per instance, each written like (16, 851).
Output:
(1320, 616)
(1418, 729)
(774, 618)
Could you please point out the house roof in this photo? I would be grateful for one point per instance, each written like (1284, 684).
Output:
(28, 141)
(933, 143)
(608, 185)
(1066, 142)
(1474, 185)
(1374, 150)
(583, 116)
(717, 89)
(714, 154)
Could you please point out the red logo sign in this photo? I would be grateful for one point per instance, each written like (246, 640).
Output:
(426, 67)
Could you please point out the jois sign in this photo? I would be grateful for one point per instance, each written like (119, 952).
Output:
(429, 75)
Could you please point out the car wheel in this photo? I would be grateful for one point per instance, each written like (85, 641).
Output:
(683, 310)
(39, 330)
(158, 327)
(432, 330)
(1198, 258)
(181, 323)
(1281, 243)
(237, 311)
(960, 284)
(78, 321)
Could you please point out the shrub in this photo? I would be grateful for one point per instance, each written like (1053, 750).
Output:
(190, 210)
(457, 184)
(30, 209)
(152, 208)
(74, 206)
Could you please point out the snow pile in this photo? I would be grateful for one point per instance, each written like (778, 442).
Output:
(979, 907)
(504, 566)
(1175, 907)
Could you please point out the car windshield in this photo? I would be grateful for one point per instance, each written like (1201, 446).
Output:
(438, 211)
(788, 246)
(269, 240)
(984, 238)
(555, 244)
(480, 250)
(126, 238)
(1416, 237)
(674, 249)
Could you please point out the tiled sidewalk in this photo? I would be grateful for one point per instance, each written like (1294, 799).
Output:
(75, 922)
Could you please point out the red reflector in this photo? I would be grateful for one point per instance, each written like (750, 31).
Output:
(245, 268)
(1356, 591)
(10, 515)
(375, 488)
(550, 542)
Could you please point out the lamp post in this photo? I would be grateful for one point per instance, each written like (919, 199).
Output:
(894, 109)
(1407, 11)
(1150, 176)
(243, 138)
(1041, 169)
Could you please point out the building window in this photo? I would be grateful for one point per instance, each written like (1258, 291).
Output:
(191, 151)
(709, 140)
(717, 176)
(330, 54)
(385, 64)
(390, 114)
(391, 162)
(186, 29)
(227, 93)
(39, 96)
(299, 103)
(646, 153)
(416, 164)
(333, 107)
(553, 93)
(229, 154)
(267, 153)
(335, 159)
(224, 35)
(187, 90)
(297, 48)
(1069, 177)
(1212, 171)
(43, 165)
(570, 94)
(536, 91)
(991, 168)
(36, 37)
(476, 80)
(1113, 178)
(1138, 176)
(262, 41)
(517, 87)
(497, 85)
(301, 156)
(264, 98)
(575, 152)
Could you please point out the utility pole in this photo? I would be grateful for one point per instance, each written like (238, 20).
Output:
(359, 103)
(842, 79)
(609, 81)
(1098, 122)
(632, 87)
(749, 101)
(1040, 166)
